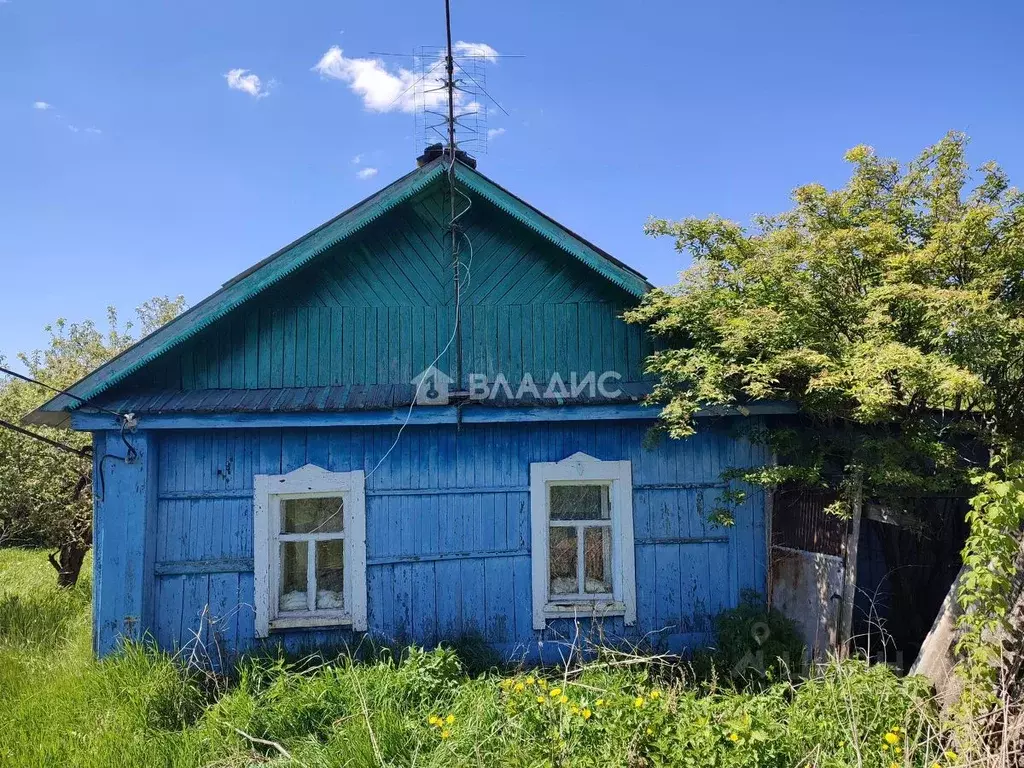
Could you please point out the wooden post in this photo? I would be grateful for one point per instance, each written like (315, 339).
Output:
(850, 571)
(123, 548)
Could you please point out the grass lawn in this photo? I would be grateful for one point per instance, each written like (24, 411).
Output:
(59, 707)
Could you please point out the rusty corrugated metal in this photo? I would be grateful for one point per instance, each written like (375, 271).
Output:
(799, 521)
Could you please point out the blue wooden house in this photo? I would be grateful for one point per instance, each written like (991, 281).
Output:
(351, 438)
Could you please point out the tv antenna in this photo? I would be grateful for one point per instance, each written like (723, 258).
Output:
(450, 93)
(450, 80)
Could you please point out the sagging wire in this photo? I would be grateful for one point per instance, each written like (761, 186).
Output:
(84, 452)
(130, 455)
(30, 380)
(458, 314)
(127, 422)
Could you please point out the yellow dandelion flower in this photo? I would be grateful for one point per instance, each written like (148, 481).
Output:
(574, 710)
(450, 719)
(894, 765)
(599, 703)
(433, 719)
(563, 699)
(734, 737)
(951, 755)
(555, 691)
(638, 702)
(540, 699)
(445, 733)
(885, 747)
(519, 688)
(936, 765)
(649, 731)
(655, 695)
(586, 714)
(891, 738)
(530, 680)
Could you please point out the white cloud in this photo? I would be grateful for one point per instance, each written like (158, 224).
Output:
(357, 159)
(367, 173)
(95, 131)
(381, 90)
(384, 90)
(41, 105)
(477, 50)
(248, 82)
(495, 132)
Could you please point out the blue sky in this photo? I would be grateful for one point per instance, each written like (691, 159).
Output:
(148, 174)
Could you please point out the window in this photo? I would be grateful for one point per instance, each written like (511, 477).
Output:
(582, 526)
(309, 549)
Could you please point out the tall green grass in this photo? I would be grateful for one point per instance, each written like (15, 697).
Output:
(59, 707)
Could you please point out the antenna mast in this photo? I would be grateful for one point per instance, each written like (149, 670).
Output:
(450, 83)
(452, 226)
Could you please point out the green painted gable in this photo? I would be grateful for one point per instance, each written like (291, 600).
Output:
(376, 304)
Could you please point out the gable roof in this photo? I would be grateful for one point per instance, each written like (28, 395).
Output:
(277, 266)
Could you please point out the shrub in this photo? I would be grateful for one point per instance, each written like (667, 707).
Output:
(756, 643)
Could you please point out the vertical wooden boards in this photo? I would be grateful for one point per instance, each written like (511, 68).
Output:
(448, 544)
(378, 308)
(125, 551)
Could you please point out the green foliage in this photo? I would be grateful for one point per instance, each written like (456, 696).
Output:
(31, 615)
(44, 492)
(142, 708)
(986, 589)
(754, 643)
(890, 310)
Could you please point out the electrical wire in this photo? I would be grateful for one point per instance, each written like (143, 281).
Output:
(131, 453)
(84, 452)
(30, 380)
(458, 311)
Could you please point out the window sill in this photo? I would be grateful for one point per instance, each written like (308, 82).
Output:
(584, 609)
(282, 623)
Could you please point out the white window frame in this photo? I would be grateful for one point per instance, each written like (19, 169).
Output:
(581, 469)
(309, 481)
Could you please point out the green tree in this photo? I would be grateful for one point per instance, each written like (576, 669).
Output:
(45, 493)
(891, 312)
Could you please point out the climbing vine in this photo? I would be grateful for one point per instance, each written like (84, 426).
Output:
(986, 591)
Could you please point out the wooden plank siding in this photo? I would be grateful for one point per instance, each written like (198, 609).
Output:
(448, 532)
(379, 307)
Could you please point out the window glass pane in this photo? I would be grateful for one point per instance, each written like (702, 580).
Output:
(579, 502)
(294, 576)
(562, 561)
(330, 579)
(597, 560)
(324, 515)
